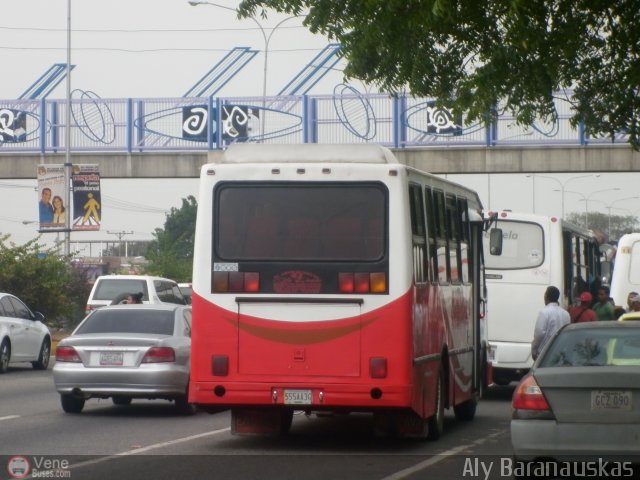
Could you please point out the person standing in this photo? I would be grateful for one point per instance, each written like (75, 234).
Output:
(45, 207)
(603, 307)
(583, 312)
(550, 319)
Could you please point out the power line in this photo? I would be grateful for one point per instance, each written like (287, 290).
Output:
(136, 30)
(151, 50)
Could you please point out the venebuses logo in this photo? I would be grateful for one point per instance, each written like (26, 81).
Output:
(18, 467)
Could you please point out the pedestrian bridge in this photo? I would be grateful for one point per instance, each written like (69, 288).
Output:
(173, 137)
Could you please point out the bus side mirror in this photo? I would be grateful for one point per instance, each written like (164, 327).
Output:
(495, 241)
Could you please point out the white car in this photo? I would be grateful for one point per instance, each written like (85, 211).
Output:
(114, 289)
(23, 335)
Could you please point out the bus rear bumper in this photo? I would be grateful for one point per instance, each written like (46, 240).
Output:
(301, 396)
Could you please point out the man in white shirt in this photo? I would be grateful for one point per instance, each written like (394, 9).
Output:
(550, 319)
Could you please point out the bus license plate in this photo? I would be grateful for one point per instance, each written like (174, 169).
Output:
(611, 400)
(111, 359)
(297, 397)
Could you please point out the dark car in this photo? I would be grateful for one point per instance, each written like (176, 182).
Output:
(582, 396)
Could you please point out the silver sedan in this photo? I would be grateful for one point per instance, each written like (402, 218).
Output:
(581, 399)
(124, 352)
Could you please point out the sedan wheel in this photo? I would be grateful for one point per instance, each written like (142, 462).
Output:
(71, 404)
(5, 356)
(43, 359)
(121, 400)
(184, 407)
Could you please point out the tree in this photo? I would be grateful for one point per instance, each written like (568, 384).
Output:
(170, 254)
(44, 280)
(613, 226)
(473, 56)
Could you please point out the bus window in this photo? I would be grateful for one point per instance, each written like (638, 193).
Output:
(444, 269)
(285, 221)
(416, 210)
(432, 237)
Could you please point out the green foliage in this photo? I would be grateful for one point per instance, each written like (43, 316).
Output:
(613, 226)
(472, 55)
(170, 254)
(44, 280)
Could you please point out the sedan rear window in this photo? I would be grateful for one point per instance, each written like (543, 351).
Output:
(597, 347)
(128, 321)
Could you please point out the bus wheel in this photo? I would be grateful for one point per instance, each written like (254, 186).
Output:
(286, 418)
(436, 421)
(465, 411)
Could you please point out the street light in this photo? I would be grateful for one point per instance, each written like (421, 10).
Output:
(267, 38)
(586, 198)
(67, 160)
(562, 185)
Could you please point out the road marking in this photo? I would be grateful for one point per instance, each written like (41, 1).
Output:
(148, 447)
(439, 457)
(9, 417)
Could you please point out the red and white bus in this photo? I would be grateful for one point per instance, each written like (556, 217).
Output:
(333, 278)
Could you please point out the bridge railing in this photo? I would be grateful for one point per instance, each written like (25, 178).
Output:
(192, 124)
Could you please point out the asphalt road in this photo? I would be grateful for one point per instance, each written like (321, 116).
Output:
(148, 440)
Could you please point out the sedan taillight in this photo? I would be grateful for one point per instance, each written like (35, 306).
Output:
(67, 354)
(528, 399)
(159, 354)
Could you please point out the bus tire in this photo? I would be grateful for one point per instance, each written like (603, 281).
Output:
(436, 421)
(466, 410)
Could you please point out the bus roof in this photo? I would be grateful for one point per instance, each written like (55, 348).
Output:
(307, 153)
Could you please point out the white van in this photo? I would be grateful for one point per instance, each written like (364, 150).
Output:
(626, 269)
(110, 289)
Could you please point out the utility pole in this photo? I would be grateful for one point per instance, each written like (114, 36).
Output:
(121, 234)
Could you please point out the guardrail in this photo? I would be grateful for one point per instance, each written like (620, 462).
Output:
(193, 124)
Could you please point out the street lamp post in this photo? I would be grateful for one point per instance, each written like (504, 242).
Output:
(562, 184)
(266, 38)
(586, 198)
(67, 161)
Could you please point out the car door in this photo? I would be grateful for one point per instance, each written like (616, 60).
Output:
(15, 328)
(32, 334)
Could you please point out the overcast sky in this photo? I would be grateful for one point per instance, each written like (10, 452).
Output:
(160, 48)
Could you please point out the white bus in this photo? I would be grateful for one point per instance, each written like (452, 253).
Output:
(333, 278)
(626, 269)
(524, 254)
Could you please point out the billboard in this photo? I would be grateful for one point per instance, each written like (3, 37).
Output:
(85, 208)
(87, 204)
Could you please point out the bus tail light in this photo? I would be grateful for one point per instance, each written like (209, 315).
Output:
(378, 367)
(346, 283)
(220, 365)
(362, 282)
(235, 282)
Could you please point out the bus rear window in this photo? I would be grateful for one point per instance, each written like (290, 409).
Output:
(522, 246)
(300, 222)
